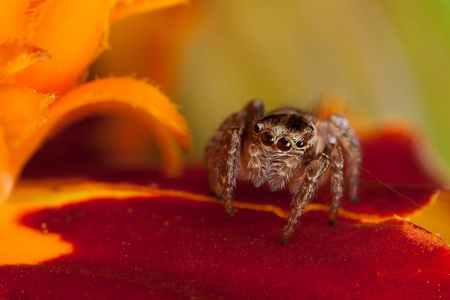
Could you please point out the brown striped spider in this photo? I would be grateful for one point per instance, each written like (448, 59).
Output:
(284, 148)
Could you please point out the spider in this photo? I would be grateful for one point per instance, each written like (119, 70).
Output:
(284, 148)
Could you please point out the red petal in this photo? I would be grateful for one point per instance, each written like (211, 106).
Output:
(170, 247)
(173, 247)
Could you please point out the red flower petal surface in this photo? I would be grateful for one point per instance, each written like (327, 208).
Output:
(174, 247)
(170, 247)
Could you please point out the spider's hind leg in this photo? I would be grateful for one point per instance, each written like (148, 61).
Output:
(340, 128)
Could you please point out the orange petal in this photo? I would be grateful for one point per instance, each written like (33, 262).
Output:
(73, 32)
(15, 55)
(17, 240)
(6, 174)
(135, 94)
(12, 14)
(22, 113)
(127, 8)
(118, 95)
(157, 53)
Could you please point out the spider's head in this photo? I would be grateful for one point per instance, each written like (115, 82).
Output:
(289, 133)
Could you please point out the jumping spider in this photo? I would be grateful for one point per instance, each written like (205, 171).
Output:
(286, 147)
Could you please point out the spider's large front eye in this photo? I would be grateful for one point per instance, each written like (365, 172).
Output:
(267, 138)
(284, 144)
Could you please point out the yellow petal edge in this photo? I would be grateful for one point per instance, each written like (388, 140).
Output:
(32, 196)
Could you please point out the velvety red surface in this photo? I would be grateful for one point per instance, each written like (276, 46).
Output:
(169, 248)
(179, 248)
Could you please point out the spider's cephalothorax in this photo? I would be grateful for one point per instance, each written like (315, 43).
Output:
(286, 147)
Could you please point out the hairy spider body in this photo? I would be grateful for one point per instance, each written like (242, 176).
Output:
(285, 148)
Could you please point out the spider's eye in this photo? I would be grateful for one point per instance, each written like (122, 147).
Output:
(267, 138)
(257, 128)
(300, 144)
(284, 144)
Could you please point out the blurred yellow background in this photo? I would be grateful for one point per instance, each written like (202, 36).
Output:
(386, 58)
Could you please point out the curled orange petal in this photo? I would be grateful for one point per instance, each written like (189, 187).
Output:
(23, 111)
(15, 55)
(29, 121)
(137, 95)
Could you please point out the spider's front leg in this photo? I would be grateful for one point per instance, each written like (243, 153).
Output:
(223, 152)
(307, 189)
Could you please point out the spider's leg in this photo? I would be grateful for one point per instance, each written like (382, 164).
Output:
(222, 154)
(337, 182)
(307, 189)
(255, 165)
(223, 151)
(340, 127)
(229, 150)
(211, 157)
(254, 111)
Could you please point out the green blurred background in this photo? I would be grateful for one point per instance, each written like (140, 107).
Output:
(386, 58)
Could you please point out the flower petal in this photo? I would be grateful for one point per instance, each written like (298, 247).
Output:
(182, 248)
(171, 235)
(157, 54)
(15, 55)
(24, 111)
(17, 240)
(137, 95)
(12, 15)
(27, 123)
(435, 217)
(74, 33)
